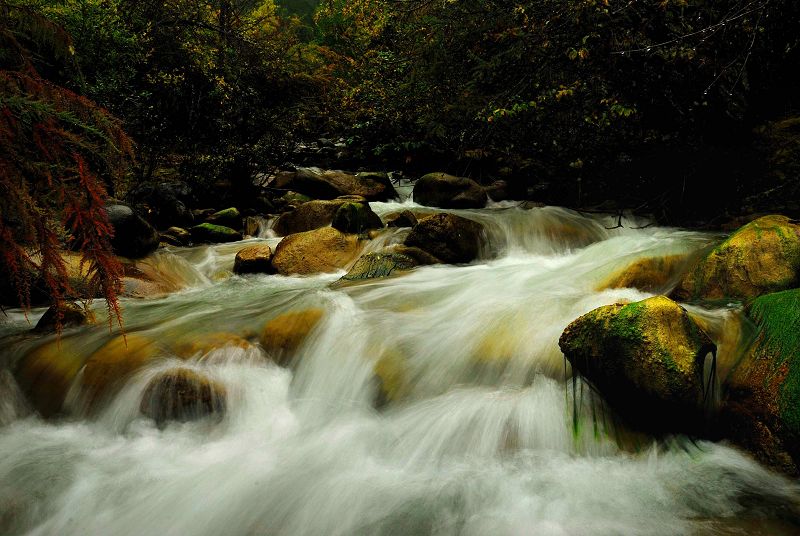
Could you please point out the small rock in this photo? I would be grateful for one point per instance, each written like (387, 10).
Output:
(68, 315)
(133, 236)
(253, 260)
(404, 219)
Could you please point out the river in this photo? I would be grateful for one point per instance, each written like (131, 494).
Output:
(489, 438)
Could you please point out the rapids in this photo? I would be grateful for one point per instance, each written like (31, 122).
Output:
(490, 438)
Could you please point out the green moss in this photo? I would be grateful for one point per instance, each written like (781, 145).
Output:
(778, 315)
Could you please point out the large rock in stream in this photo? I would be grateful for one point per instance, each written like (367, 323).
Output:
(351, 214)
(645, 358)
(320, 184)
(761, 257)
(182, 395)
(447, 191)
(321, 250)
(448, 237)
(761, 409)
(133, 236)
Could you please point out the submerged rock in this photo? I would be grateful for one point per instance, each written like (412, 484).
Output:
(320, 250)
(254, 260)
(447, 191)
(46, 374)
(379, 264)
(133, 236)
(391, 375)
(651, 274)
(645, 358)
(198, 345)
(283, 335)
(761, 409)
(448, 237)
(208, 232)
(761, 257)
(182, 395)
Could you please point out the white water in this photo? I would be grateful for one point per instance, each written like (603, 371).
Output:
(484, 443)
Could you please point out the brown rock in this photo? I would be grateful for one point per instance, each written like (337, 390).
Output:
(253, 260)
(320, 250)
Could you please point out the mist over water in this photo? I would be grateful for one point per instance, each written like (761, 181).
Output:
(489, 436)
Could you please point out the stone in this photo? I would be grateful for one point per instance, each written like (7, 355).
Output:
(208, 232)
(320, 184)
(67, 315)
(761, 257)
(650, 274)
(405, 218)
(353, 217)
(163, 203)
(378, 265)
(283, 335)
(177, 236)
(447, 191)
(646, 359)
(253, 260)
(229, 217)
(448, 237)
(321, 250)
(200, 344)
(307, 217)
(133, 236)
(182, 395)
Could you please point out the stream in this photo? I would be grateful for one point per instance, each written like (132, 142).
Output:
(490, 437)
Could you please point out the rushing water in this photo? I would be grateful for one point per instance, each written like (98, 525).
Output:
(483, 443)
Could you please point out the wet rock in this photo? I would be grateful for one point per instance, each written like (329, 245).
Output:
(448, 237)
(182, 395)
(379, 265)
(761, 257)
(200, 344)
(447, 191)
(761, 409)
(229, 217)
(421, 257)
(320, 250)
(252, 226)
(391, 376)
(254, 260)
(133, 236)
(308, 216)
(354, 217)
(66, 316)
(320, 184)
(651, 274)
(283, 335)
(208, 232)
(503, 190)
(294, 198)
(114, 363)
(46, 374)
(646, 359)
(405, 218)
(177, 236)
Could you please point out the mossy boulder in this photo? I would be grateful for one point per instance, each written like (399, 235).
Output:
(354, 217)
(208, 232)
(253, 260)
(448, 237)
(645, 358)
(66, 315)
(761, 257)
(320, 250)
(447, 191)
(114, 363)
(283, 335)
(761, 408)
(182, 395)
(378, 265)
(229, 217)
(46, 374)
(650, 274)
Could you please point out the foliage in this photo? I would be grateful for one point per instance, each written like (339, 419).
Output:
(58, 151)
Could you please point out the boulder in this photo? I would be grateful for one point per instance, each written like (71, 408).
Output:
(182, 395)
(199, 344)
(133, 236)
(354, 217)
(448, 237)
(405, 218)
(307, 216)
(66, 315)
(761, 257)
(163, 203)
(379, 264)
(761, 408)
(229, 217)
(46, 374)
(447, 191)
(208, 232)
(283, 335)
(650, 274)
(646, 359)
(320, 250)
(177, 236)
(114, 363)
(253, 260)
(320, 184)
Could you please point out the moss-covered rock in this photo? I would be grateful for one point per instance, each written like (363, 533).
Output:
(447, 191)
(761, 409)
(114, 363)
(283, 335)
(353, 217)
(253, 260)
(182, 395)
(46, 374)
(646, 359)
(448, 237)
(379, 264)
(208, 232)
(229, 217)
(761, 257)
(651, 274)
(320, 250)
